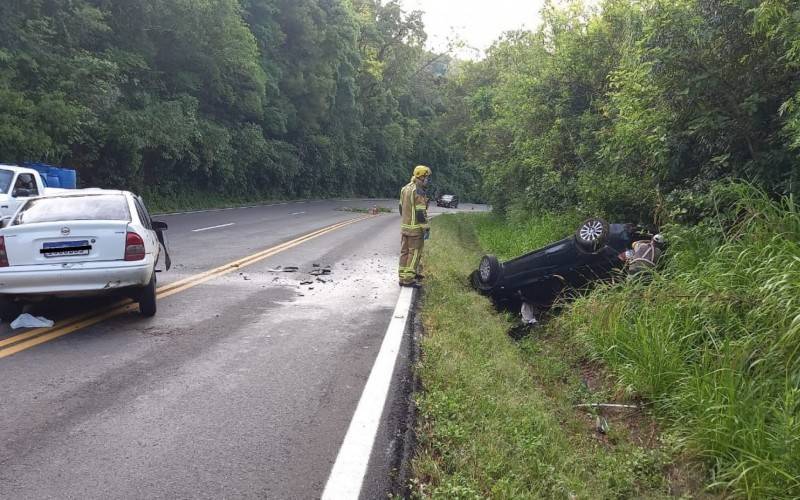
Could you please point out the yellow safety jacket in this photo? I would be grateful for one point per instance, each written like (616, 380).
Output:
(413, 209)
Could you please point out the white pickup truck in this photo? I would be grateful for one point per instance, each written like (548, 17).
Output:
(17, 184)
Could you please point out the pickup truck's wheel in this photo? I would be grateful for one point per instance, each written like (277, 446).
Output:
(9, 309)
(147, 298)
(489, 270)
(592, 235)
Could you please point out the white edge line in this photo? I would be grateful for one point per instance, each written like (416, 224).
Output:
(213, 227)
(298, 213)
(347, 475)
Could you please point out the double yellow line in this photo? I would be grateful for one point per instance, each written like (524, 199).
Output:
(17, 343)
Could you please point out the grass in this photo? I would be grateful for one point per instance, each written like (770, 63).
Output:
(522, 234)
(198, 201)
(711, 346)
(497, 417)
(714, 344)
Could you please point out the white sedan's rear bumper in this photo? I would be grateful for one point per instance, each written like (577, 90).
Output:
(75, 278)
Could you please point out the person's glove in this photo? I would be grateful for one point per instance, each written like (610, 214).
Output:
(427, 234)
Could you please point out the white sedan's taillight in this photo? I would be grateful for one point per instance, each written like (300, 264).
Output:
(134, 247)
(3, 254)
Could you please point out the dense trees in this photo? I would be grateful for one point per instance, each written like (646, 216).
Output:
(608, 109)
(260, 97)
(604, 108)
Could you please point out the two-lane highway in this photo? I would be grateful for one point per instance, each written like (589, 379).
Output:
(243, 385)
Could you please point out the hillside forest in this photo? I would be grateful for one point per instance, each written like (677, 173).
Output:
(249, 99)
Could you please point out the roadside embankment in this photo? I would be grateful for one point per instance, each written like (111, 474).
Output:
(710, 349)
(496, 416)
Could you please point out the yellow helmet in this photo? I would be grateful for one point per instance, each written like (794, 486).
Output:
(421, 171)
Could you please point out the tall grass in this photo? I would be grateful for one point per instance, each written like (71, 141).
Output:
(714, 341)
(491, 425)
(520, 234)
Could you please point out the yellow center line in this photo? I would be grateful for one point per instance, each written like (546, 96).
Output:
(38, 336)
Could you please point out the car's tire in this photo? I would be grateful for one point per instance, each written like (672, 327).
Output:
(147, 298)
(592, 235)
(9, 309)
(489, 271)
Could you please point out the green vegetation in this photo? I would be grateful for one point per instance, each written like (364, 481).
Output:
(714, 342)
(246, 99)
(610, 110)
(638, 111)
(497, 417)
(710, 347)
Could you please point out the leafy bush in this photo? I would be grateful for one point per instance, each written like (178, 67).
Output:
(714, 340)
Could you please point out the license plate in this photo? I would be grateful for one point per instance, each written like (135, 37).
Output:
(65, 248)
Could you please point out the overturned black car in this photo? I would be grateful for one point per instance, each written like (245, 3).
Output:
(594, 252)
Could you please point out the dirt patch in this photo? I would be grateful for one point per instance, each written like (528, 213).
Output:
(687, 479)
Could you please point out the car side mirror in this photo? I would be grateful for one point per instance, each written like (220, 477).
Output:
(159, 226)
(5, 221)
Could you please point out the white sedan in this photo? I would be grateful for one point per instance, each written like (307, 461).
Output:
(82, 242)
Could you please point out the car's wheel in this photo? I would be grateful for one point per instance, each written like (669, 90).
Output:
(592, 235)
(489, 270)
(9, 309)
(147, 298)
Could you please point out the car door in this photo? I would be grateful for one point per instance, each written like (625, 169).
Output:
(23, 188)
(150, 238)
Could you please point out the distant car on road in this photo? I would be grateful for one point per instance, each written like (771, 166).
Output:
(539, 277)
(447, 201)
(82, 242)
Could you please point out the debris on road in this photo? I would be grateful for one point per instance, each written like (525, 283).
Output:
(26, 320)
(320, 272)
(291, 269)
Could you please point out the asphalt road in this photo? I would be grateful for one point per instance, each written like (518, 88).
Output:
(243, 385)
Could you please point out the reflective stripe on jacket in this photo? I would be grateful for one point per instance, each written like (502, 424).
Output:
(413, 209)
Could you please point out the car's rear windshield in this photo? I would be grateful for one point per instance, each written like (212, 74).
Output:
(5, 180)
(89, 207)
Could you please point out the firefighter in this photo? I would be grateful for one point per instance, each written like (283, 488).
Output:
(414, 228)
